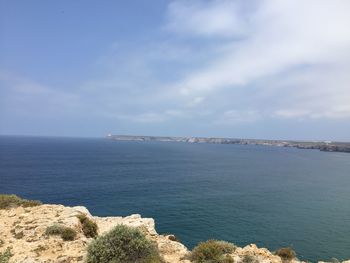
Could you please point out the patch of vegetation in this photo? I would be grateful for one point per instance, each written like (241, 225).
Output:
(89, 227)
(286, 253)
(249, 259)
(66, 233)
(123, 245)
(54, 230)
(13, 201)
(5, 256)
(173, 238)
(213, 251)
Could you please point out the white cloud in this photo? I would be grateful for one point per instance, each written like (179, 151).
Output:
(210, 62)
(232, 117)
(151, 117)
(213, 18)
(334, 112)
(30, 98)
(195, 101)
(279, 38)
(292, 113)
(148, 117)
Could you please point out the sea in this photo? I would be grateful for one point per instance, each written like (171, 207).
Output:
(270, 196)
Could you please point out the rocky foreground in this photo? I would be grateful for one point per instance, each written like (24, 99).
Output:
(23, 230)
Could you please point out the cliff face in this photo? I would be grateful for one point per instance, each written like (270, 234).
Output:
(320, 145)
(23, 229)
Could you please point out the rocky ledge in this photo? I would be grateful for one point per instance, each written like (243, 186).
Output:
(22, 230)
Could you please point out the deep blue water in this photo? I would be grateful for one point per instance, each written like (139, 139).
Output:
(270, 196)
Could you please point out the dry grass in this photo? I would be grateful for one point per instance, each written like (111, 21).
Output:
(13, 201)
(66, 233)
(213, 251)
(286, 253)
(89, 227)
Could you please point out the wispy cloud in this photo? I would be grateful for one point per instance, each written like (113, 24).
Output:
(150, 117)
(208, 64)
(234, 117)
(208, 19)
(24, 97)
(279, 37)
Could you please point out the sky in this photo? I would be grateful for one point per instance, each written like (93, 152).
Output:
(268, 69)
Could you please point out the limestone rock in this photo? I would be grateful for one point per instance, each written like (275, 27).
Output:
(23, 229)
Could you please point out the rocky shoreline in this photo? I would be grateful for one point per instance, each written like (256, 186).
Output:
(326, 146)
(22, 231)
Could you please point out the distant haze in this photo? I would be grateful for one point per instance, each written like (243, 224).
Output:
(266, 69)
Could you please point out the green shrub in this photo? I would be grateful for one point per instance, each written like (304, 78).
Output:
(66, 233)
(5, 256)
(9, 201)
(30, 203)
(212, 251)
(123, 245)
(13, 201)
(89, 227)
(54, 230)
(249, 259)
(173, 238)
(286, 253)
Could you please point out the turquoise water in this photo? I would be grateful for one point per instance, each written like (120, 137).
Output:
(270, 196)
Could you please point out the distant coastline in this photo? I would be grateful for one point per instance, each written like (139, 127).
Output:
(327, 146)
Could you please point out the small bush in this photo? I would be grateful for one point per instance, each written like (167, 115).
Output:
(89, 227)
(54, 230)
(173, 238)
(13, 201)
(123, 245)
(30, 203)
(249, 259)
(5, 256)
(66, 233)
(286, 253)
(212, 251)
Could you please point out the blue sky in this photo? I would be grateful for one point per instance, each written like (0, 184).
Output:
(249, 69)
